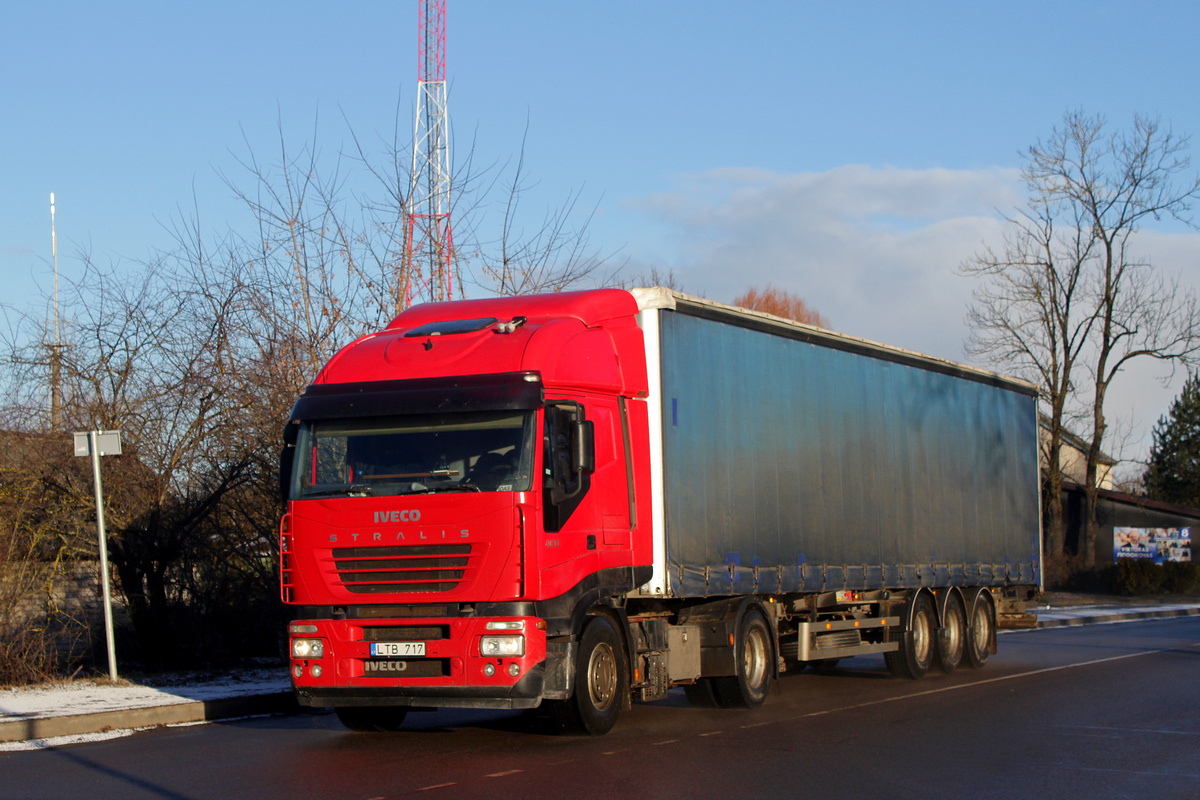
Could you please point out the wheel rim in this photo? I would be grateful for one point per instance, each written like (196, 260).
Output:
(981, 623)
(602, 677)
(954, 624)
(754, 658)
(921, 638)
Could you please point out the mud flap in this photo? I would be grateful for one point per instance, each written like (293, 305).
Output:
(559, 677)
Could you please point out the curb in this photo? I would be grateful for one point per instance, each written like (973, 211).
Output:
(1128, 616)
(148, 717)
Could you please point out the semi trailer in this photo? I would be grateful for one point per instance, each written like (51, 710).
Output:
(581, 499)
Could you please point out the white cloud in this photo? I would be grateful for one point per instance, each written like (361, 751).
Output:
(876, 251)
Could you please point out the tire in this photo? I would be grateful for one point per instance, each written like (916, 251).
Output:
(981, 628)
(915, 655)
(371, 719)
(601, 682)
(753, 659)
(950, 647)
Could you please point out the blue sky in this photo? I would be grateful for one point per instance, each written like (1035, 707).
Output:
(854, 153)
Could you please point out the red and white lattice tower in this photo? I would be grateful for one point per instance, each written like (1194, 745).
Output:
(428, 247)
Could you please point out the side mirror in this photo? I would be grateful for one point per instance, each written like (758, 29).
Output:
(583, 447)
(287, 457)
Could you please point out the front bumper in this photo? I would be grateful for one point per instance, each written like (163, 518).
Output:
(527, 693)
(452, 673)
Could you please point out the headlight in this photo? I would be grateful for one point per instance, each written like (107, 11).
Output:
(308, 648)
(502, 646)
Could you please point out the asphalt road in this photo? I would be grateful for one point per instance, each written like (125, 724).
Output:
(1107, 711)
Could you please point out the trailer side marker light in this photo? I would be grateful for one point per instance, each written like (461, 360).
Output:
(637, 676)
(828, 626)
(856, 623)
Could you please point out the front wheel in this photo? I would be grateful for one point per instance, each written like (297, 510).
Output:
(601, 681)
(371, 719)
(753, 657)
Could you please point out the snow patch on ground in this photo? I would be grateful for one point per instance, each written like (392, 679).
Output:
(95, 696)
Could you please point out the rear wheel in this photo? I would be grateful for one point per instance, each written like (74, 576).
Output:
(981, 628)
(601, 681)
(952, 643)
(915, 655)
(752, 659)
(371, 719)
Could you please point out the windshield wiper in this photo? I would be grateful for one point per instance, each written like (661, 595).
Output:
(465, 486)
(357, 490)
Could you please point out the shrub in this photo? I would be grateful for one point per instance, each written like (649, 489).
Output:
(1138, 576)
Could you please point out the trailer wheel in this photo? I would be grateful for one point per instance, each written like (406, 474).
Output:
(981, 628)
(915, 655)
(753, 657)
(950, 647)
(601, 681)
(371, 719)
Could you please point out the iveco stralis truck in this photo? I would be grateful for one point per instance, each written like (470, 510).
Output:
(576, 500)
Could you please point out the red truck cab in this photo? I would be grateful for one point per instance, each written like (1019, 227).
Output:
(465, 491)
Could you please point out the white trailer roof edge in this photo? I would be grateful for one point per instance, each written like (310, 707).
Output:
(660, 297)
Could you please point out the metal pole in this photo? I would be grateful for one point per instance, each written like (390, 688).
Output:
(94, 446)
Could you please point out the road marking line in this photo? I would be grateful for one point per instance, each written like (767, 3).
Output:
(668, 741)
(1128, 730)
(1140, 772)
(983, 682)
(437, 786)
(502, 774)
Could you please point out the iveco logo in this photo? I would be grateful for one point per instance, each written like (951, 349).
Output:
(408, 515)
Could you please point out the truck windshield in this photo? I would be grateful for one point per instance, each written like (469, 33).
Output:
(488, 451)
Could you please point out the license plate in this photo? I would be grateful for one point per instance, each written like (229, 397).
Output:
(398, 649)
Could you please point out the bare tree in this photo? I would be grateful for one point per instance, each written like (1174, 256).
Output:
(1068, 299)
(198, 355)
(552, 254)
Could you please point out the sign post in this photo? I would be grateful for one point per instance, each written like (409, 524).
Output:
(96, 444)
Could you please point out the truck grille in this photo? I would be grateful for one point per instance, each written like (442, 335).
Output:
(404, 568)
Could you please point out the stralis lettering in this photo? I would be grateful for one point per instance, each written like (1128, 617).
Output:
(407, 515)
(399, 536)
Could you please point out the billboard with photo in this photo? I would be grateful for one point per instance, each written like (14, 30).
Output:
(1157, 544)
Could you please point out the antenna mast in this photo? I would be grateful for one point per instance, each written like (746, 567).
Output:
(56, 344)
(428, 247)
